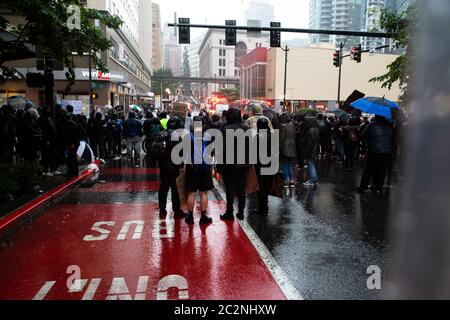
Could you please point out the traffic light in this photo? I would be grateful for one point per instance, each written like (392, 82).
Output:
(94, 96)
(230, 34)
(184, 36)
(356, 53)
(337, 58)
(275, 36)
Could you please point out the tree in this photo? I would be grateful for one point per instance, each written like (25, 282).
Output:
(230, 94)
(45, 25)
(402, 27)
(186, 69)
(161, 86)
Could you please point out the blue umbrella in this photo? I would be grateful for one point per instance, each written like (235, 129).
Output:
(377, 106)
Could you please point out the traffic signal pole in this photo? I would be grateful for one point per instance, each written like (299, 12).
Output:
(286, 50)
(91, 100)
(280, 29)
(341, 47)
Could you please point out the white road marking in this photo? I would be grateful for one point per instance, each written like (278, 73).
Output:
(92, 289)
(272, 265)
(173, 281)
(139, 227)
(44, 290)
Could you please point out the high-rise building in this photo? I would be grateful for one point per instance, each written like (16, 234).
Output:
(320, 17)
(258, 10)
(194, 58)
(218, 60)
(127, 81)
(372, 22)
(173, 55)
(347, 15)
(145, 32)
(350, 15)
(157, 38)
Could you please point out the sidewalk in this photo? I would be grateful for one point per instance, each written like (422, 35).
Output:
(44, 185)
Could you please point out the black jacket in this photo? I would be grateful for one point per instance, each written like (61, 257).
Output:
(235, 127)
(311, 144)
(380, 137)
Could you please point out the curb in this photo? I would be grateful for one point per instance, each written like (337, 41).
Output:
(15, 217)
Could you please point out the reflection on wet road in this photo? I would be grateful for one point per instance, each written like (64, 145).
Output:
(326, 238)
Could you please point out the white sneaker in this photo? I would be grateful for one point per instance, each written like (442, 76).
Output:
(310, 184)
(48, 174)
(57, 173)
(117, 158)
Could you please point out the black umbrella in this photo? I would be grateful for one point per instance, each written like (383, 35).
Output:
(341, 115)
(356, 95)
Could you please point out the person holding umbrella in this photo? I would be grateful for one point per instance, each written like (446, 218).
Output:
(379, 136)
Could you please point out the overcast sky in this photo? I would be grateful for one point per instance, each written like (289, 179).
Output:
(291, 13)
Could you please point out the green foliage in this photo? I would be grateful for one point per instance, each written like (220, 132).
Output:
(45, 25)
(402, 27)
(306, 113)
(163, 85)
(19, 178)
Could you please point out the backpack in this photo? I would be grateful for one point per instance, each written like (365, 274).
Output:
(160, 148)
(154, 132)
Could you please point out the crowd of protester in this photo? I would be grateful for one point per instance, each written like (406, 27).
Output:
(52, 140)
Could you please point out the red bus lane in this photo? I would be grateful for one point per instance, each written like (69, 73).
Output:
(82, 249)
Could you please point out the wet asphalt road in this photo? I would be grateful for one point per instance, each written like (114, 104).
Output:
(325, 239)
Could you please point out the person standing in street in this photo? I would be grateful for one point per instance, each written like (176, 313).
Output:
(8, 133)
(49, 144)
(288, 150)
(198, 176)
(98, 136)
(169, 171)
(234, 174)
(132, 133)
(311, 151)
(32, 137)
(264, 181)
(72, 137)
(323, 135)
(257, 113)
(379, 135)
(351, 142)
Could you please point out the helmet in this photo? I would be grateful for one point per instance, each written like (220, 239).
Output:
(175, 123)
